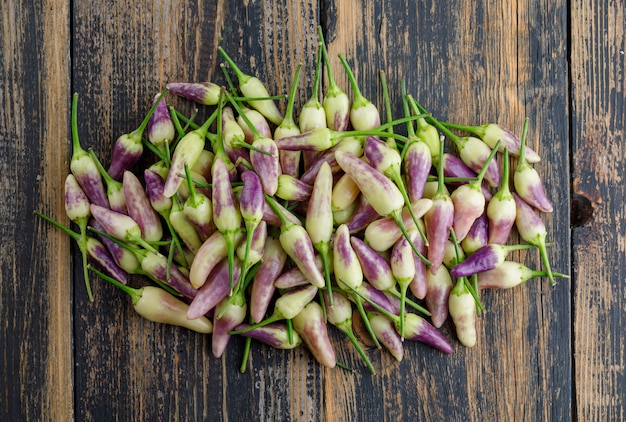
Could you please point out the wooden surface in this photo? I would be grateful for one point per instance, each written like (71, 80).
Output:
(544, 353)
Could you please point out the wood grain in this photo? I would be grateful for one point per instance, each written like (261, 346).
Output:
(544, 353)
(473, 64)
(598, 165)
(35, 285)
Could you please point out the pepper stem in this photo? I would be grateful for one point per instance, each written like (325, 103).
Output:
(241, 77)
(383, 82)
(410, 302)
(483, 171)
(331, 80)
(275, 317)
(396, 215)
(139, 131)
(366, 321)
(135, 294)
(288, 118)
(350, 334)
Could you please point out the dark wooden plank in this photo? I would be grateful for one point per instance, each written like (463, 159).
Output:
(477, 63)
(128, 368)
(35, 284)
(598, 165)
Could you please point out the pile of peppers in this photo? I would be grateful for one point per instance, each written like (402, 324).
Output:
(258, 224)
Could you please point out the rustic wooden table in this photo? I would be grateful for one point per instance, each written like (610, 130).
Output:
(544, 353)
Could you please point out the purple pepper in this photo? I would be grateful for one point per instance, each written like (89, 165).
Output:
(253, 125)
(198, 209)
(351, 144)
(375, 268)
(229, 313)
(160, 127)
(128, 148)
(310, 324)
(186, 153)
(291, 188)
(212, 251)
(453, 167)
(206, 93)
(263, 288)
(293, 277)
(501, 208)
(124, 258)
(509, 274)
(156, 265)
(469, 202)
(266, 165)
(252, 87)
(140, 209)
(438, 287)
(485, 258)
(336, 102)
(226, 214)
(363, 215)
(297, 244)
(83, 167)
(532, 229)
(477, 235)
(375, 296)
(363, 113)
(100, 257)
(438, 220)
(381, 234)
(340, 315)
(491, 133)
(275, 335)
(114, 188)
(417, 328)
(527, 182)
(417, 165)
(385, 331)
(290, 160)
(214, 289)
(418, 285)
(462, 309)
(120, 226)
(312, 115)
(154, 189)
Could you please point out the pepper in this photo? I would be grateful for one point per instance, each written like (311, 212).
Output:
(157, 305)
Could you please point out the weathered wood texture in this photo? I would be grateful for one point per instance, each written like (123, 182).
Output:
(599, 242)
(544, 353)
(35, 282)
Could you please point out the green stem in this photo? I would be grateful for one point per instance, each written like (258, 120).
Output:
(251, 126)
(139, 131)
(246, 352)
(522, 148)
(397, 178)
(410, 302)
(174, 115)
(331, 81)
(438, 124)
(288, 119)
(275, 317)
(383, 81)
(366, 321)
(83, 249)
(241, 77)
(316, 78)
(350, 334)
(135, 294)
(397, 216)
(471, 129)
(483, 170)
